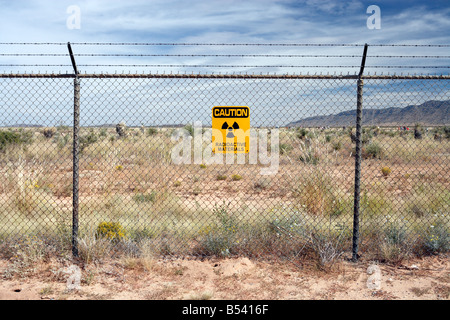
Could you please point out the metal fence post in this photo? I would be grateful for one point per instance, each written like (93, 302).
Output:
(356, 207)
(76, 150)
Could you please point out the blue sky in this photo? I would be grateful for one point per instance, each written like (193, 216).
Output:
(225, 21)
(317, 21)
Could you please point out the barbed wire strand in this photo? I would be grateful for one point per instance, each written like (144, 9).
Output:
(224, 44)
(218, 55)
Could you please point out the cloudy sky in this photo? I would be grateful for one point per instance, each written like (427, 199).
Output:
(224, 21)
(298, 21)
(84, 22)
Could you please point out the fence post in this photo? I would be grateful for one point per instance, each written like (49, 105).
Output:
(76, 149)
(356, 207)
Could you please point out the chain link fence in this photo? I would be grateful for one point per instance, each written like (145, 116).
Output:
(132, 172)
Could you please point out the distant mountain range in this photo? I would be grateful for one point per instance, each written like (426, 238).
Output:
(428, 113)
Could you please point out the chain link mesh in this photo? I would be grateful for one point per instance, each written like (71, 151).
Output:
(134, 199)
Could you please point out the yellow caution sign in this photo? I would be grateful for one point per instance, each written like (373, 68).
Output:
(231, 129)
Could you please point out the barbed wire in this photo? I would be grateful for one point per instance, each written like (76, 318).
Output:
(224, 44)
(412, 61)
(220, 55)
(218, 66)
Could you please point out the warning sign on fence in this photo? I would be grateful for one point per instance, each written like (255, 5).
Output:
(231, 129)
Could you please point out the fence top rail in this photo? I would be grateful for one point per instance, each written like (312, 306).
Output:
(222, 76)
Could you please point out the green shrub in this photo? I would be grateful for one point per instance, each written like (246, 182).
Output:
(447, 132)
(103, 133)
(221, 237)
(285, 148)
(301, 133)
(236, 177)
(145, 197)
(87, 140)
(437, 238)
(190, 129)
(375, 204)
(152, 131)
(372, 150)
(337, 145)
(14, 138)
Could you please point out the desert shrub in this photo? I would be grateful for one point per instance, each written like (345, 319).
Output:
(87, 140)
(310, 152)
(386, 171)
(121, 129)
(372, 150)
(316, 193)
(14, 138)
(103, 133)
(219, 238)
(49, 132)
(374, 204)
(61, 140)
(436, 238)
(93, 247)
(327, 247)
(395, 233)
(301, 133)
(221, 177)
(261, 184)
(25, 254)
(337, 145)
(447, 132)
(177, 183)
(196, 191)
(418, 131)
(426, 200)
(145, 197)
(152, 131)
(190, 129)
(110, 230)
(285, 148)
(236, 177)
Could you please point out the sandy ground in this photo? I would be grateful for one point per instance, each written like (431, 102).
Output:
(229, 279)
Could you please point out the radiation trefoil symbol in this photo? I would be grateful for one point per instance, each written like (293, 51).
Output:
(230, 133)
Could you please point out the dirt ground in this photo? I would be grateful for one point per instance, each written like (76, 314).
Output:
(229, 279)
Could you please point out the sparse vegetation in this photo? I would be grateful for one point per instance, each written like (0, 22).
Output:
(111, 230)
(131, 181)
(386, 171)
(121, 129)
(14, 138)
(236, 177)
